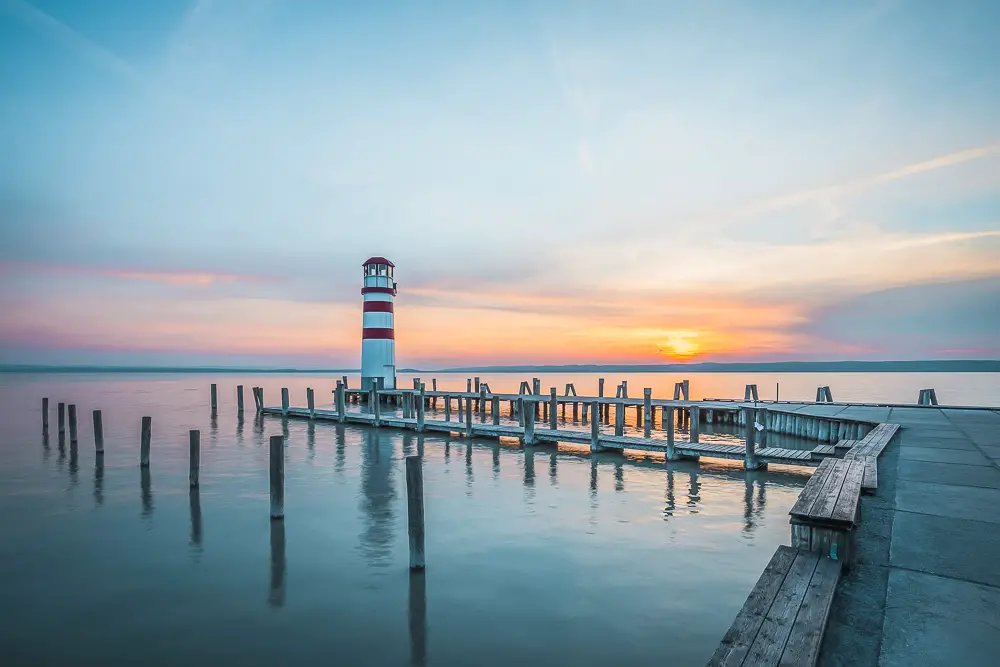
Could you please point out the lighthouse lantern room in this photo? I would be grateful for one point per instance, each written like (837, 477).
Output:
(378, 345)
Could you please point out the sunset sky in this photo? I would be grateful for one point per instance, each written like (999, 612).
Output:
(198, 182)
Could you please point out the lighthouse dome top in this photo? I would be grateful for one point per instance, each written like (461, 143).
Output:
(378, 260)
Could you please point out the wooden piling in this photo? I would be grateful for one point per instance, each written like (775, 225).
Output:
(694, 428)
(146, 437)
(667, 421)
(277, 474)
(468, 418)
(284, 401)
(619, 419)
(536, 390)
(686, 384)
(647, 409)
(194, 438)
(61, 418)
(595, 429)
(260, 399)
(215, 399)
(45, 415)
(495, 410)
(415, 511)
(482, 403)
(761, 419)
(339, 393)
(72, 423)
(311, 402)
(529, 420)
(447, 408)
(553, 407)
(239, 399)
(749, 433)
(98, 432)
(420, 409)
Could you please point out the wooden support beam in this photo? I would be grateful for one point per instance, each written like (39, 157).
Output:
(694, 427)
(751, 462)
(495, 410)
(553, 403)
(761, 418)
(420, 409)
(619, 419)
(667, 420)
(194, 458)
(239, 399)
(415, 510)
(468, 418)
(447, 407)
(72, 423)
(284, 401)
(145, 437)
(215, 399)
(277, 476)
(45, 415)
(529, 419)
(482, 403)
(595, 429)
(647, 409)
(311, 402)
(98, 432)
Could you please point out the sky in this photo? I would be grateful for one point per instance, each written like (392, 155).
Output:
(199, 181)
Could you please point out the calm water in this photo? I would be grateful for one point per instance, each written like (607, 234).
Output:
(548, 557)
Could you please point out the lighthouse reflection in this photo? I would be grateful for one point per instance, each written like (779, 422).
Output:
(377, 498)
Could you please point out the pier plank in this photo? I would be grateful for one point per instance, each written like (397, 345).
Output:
(770, 641)
(804, 641)
(812, 489)
(846, 509)
(870, 481)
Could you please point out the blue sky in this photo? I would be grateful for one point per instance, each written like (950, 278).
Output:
(563, 182)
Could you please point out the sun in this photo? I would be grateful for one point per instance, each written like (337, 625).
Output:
(680, 345)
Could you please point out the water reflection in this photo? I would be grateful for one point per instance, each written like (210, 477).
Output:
(529, 468)
(417, 617)
(496, 460)
(554, 469)
(407, 443)
(146, 494)
(194, 501)
(377, 498)
(213, 430)
(339, 457)
(694, 493)
(46, 450)
(99, 479)
(311, 439)
(593, 477)
(668, 511)
(74, 463)
(619, 476)
(239, 430)
(468, 469)
(276, 592)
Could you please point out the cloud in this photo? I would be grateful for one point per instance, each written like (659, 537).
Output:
(176, 278)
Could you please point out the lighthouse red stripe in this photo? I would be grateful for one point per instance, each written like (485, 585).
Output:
(378, 307)
(377, 290)
(369, 333)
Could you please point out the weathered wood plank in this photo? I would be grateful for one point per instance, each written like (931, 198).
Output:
(737, 641)
(806, 636)
(850, 493)
(770, 642)
(812, 489)
(827, 500)
(870, 482)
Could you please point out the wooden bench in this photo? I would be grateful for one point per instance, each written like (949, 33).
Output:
(783, 620)
(868, 450)
(828, 509)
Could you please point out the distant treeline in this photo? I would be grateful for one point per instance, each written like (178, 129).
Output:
(932, 366)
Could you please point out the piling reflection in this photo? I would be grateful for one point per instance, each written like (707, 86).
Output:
(407, 443)
(417, 617)
(671, 506)
(529, 468)
(276, 590)
(311, 439)
(468, 469)
(46, 450)
(593, 477)
(694, 493)
(213, 430)
(194, 502)
(377, 497)
(496, 460)
(340, 452)
(74, 463)
(619, 476)
(99, 479)
(239, 430)
(146, 492)
(748, 522)
(554, 469)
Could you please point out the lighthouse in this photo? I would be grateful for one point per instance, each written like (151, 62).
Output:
(378, 345)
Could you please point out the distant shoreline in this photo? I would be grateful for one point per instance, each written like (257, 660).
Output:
(933, 366)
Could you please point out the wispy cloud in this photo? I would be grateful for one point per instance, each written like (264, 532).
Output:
(176, 278)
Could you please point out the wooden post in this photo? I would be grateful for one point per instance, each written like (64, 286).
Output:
(420, 409)
(619, 419)
(693, 427)
(239, 399)
(536, 390)
(260, 397)
(98, 432)
(374, 401)
(343, 378)
(406, 407)
(529, 419)
(72, 423)
(624, 388)
(147, 435)
(284, 401)
(468, 417)
(447, 408)
(45, 415)
(195, 458)
(482, 403)
(61, 418)
(687, 390)
(277, 451)
(762, 420)
(647, 409)
(595, 428)
(495, 410)
(749, 433)
(600, 394)
(215, 399)
(553, 408)
(415, 511)
(339, 399)
(667, 420)
(311, 402)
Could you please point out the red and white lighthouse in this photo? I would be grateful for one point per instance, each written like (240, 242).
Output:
(378, 345)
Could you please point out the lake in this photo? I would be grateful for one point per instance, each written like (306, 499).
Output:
(546, 556)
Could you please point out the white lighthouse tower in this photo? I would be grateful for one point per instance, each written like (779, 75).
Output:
(378, 345)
